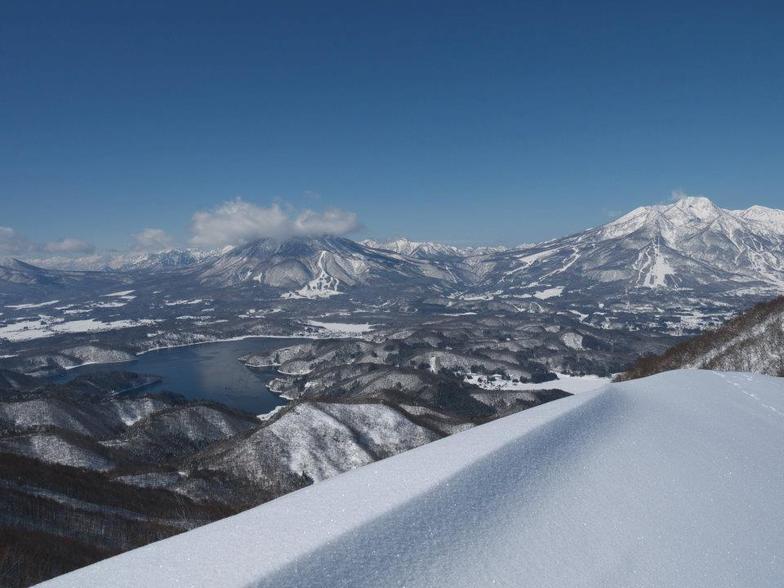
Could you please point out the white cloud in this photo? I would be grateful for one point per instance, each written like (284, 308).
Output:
(69, 245)
(12, 243)
(152, 240)
(15, 244)
(329, 222)
(677, 195)
(236, 222)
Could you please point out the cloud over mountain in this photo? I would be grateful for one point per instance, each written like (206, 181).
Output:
(153, 240)
(236, 222)
(69, 245)
(12, 242)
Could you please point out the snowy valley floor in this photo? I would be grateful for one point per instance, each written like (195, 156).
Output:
(676, 479)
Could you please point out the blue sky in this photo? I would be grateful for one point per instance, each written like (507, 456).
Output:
(482, 122)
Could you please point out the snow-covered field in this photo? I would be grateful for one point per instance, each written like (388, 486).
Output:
(549, 293)
(343, 329)
(183, 302)
(47, 326)
(28, 305)
(673, 480)
(123, 294)
(565, 382)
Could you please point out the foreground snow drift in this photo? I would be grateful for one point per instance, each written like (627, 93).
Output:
(671, 480)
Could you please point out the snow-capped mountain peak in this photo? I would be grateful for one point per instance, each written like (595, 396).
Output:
(696, 207)
(629, 222)
(667, 219)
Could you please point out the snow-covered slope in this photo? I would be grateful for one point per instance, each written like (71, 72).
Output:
(673, 480)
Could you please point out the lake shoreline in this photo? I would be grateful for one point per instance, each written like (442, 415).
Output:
(207, 372)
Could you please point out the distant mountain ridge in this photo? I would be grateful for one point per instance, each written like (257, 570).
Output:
(15, 272)
(430, 249)
(165, 260)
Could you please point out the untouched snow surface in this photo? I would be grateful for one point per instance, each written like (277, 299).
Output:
(673, 480)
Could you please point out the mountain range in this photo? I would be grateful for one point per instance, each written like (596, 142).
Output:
(128, 261)
(430, 249)
(673, 269)
(690, 246)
